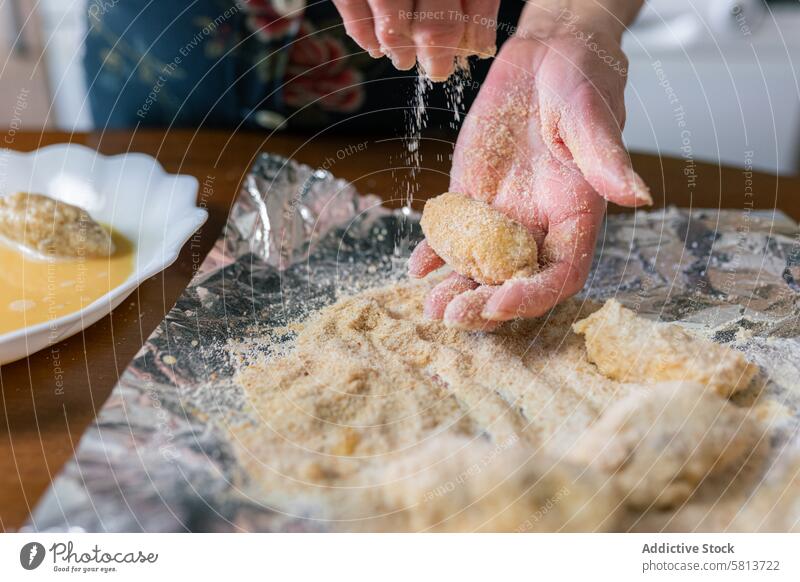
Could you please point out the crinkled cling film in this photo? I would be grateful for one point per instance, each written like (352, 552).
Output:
(157, 457)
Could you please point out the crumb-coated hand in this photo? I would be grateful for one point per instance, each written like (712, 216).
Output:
(542, 143)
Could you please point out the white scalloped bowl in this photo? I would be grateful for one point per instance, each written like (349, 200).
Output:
(132, 193)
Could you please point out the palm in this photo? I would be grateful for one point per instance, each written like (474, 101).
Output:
(541, 143)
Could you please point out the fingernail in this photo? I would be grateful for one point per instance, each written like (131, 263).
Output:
(641, 191)
(403, 59)
(482, 51)
(428, 312)
(438, 69)
(414, 273)
(493, 309)
(375, 53)
(487, 52)
(460, 324)
(496, 314)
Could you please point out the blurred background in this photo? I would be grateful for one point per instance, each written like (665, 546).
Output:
(710, 80)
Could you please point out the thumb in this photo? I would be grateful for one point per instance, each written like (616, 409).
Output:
(593, 138)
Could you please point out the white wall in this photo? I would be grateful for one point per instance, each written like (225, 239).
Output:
(63, 32)
(716, 83)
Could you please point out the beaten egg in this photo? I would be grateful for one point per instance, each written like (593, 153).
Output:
(34, 290)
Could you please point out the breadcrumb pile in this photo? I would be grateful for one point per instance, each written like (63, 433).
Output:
(376, 419)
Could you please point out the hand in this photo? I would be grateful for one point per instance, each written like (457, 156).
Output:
(433, 31)
(542, 143)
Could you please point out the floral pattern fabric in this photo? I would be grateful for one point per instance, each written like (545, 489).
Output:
(235, 63)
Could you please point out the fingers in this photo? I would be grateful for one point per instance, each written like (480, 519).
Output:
(480, 29)
(359, 24)
(433, 31)
(464, 311)
(568, 252)
(423, 260)
(393, 29)
(594, 139)
(437, 33)
(534, 296)
(437, 300)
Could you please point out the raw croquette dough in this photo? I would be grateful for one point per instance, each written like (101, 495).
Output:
(478, 241)
(629, 348)
(660, 443)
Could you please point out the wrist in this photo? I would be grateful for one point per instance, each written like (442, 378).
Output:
(606, 19)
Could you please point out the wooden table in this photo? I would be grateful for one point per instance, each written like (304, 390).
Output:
(41, 425)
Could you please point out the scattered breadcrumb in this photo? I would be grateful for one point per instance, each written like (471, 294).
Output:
(374, 418)
(457, 484)
(369, 386)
